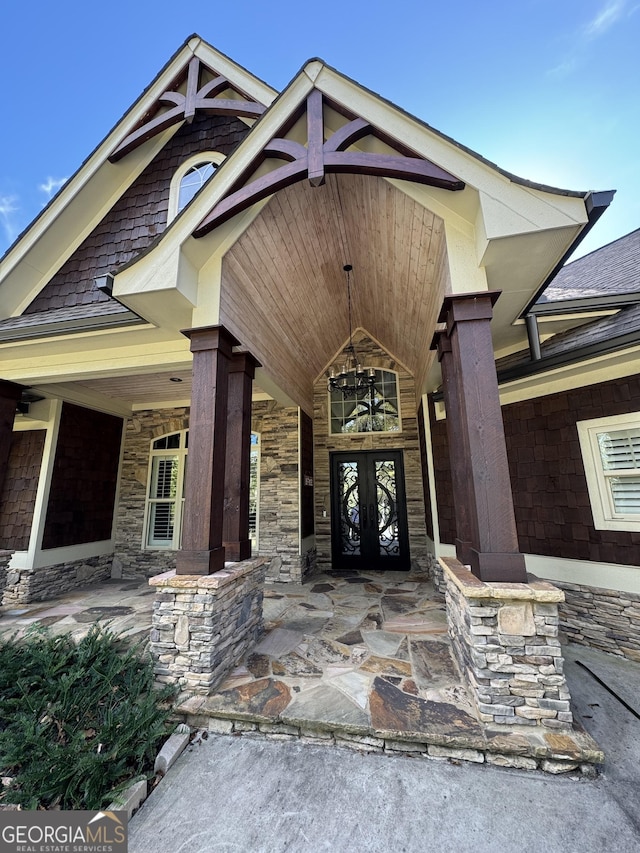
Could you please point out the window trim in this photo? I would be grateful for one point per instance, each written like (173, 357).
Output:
(604, 515)
(338, 435)
(215, 157)
(181, 452)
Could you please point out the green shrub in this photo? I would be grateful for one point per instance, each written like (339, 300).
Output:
(77, 721)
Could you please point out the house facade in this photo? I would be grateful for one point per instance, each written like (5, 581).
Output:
(168, 324)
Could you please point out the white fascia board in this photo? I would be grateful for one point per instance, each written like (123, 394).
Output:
(177, 250)
(532, 204)
(246, 82)
(42, 251)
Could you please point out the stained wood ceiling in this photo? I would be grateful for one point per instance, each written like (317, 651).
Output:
(284, 288)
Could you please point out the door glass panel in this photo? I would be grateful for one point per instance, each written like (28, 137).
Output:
(386, 496)
(349, 497)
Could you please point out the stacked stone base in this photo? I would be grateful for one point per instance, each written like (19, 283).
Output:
(551, 753)
(287, 568)
(27, 585)
(605, 619)
(505, 639)
(5, 557)
(202, 625)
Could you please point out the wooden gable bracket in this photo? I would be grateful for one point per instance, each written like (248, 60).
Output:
(321, 157)
(197, 97)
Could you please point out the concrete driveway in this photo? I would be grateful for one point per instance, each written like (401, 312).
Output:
(253, 795)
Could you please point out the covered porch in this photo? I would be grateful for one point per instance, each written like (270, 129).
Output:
(360, 660)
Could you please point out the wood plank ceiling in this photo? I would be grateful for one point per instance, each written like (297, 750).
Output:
(284, 288)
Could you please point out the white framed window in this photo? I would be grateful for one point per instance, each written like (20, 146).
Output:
(372, 410)
(254, 491)
(189, 178)
(165, 491)
(611, 453)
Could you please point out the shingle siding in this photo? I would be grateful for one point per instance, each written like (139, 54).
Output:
(551, 500)
(137, 218)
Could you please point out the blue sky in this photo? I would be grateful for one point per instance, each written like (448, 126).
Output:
(547, 89)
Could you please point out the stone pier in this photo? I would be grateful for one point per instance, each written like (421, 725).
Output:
(202, 625)
(505, 639)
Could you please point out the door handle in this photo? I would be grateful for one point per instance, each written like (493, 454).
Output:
(364, 515)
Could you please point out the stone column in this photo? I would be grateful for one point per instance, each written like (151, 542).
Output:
(237, 544)
(202, 626)
(202, 550)
(505, 639)
(10, 393)
(460, 475)
(482, 455)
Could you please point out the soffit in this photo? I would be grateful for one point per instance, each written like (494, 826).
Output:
(284, 289)
(137, 392)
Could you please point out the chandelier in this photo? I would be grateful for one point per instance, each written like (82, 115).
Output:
(361, 380)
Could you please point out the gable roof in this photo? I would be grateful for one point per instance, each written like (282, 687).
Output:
(71, 215)
(611, 270)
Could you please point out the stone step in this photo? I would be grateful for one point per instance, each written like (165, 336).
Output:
(551, 752)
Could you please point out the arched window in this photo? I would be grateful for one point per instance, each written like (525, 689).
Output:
(165, 491)
(192, 175)
(373, 410)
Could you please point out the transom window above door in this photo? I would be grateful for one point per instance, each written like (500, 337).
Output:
(371, 410)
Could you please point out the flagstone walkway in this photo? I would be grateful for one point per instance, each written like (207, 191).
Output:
(363, 660)
(366, 660)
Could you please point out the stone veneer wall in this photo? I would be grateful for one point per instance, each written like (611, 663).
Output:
(129, 557)
(25, 585)
(5, 557)
(279, 495)
(606, 619)
(371, 355)
(203, 625)
(505, 639)
(279, 492)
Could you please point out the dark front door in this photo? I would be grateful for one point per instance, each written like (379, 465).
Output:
(368, 511)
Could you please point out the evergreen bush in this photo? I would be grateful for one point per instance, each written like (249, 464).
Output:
(77, 721)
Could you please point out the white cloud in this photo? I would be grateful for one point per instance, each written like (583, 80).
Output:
(8, 206)
(608, 15)
(51, 186)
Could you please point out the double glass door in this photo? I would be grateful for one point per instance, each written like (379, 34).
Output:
(368, 511)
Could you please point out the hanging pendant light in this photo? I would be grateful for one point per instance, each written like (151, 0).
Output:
(352, 378)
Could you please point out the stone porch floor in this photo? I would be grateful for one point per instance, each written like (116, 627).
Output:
(362, 660)
(365, 660)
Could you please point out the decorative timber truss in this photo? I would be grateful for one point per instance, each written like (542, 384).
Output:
(198, 96)
(321, 157)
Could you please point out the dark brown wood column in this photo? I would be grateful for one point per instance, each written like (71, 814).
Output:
(460, 474)
(202, 550)
(237, 544)
(494, 554)
(10, 393)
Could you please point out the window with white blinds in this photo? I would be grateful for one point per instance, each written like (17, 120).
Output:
(611, 452)
(165, 491)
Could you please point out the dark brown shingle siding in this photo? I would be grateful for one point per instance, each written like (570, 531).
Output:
(137, 217)
(21, 484)
(85, 474)
(553, 511)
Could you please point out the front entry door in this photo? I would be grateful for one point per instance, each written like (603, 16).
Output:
(368, 511)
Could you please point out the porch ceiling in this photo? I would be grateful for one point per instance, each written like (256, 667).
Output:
(141, 391)
(284, 289)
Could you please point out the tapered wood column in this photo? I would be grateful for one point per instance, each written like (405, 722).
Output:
(202, 550)
(494, 554)
(10, 393)
(460, 473)
(237, 544)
